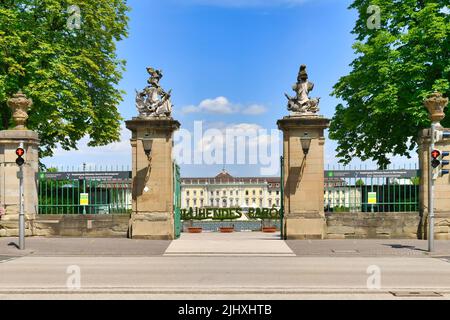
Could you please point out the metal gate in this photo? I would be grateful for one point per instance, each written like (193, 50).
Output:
(177, 200)
(282, 229)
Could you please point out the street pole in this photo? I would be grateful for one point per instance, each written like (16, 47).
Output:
(84, 185)
(21, 212)
(431, 193)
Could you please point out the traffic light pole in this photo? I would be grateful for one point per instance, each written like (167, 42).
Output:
(21, 212)
(431, 194)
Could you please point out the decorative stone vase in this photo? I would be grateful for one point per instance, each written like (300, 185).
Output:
(436, 104)
(19, 105)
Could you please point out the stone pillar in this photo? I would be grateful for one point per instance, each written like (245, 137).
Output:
(304, 176)
(9, 181)
(436, 105)
(152, 216)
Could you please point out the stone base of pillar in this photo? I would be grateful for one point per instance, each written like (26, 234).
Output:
(441, 226)
(152, 226)
(305, 226)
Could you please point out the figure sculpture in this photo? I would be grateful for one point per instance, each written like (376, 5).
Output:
(153, 101)
(302, 104)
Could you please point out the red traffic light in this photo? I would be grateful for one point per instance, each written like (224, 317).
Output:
(20, 152)
(435, 154)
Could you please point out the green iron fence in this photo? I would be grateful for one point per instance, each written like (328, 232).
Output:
(177, 201)
(94, 190)
(363, 190)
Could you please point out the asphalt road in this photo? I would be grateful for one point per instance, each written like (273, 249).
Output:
(246, 277)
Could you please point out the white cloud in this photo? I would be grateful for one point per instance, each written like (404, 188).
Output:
(245, 3)
(222, 105)
(255, 109)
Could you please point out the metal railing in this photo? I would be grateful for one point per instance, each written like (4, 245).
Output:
(93, 190)
(364, 190)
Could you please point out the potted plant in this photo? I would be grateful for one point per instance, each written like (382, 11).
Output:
(195, 229)
(227, 229)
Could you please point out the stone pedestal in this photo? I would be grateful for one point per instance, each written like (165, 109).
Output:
(303, 177)
(9, 181)
(152, 216)
(441, 190)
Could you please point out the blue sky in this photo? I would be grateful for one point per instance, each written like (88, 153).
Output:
(229, 63)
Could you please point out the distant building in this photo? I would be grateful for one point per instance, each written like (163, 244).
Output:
(225, 191)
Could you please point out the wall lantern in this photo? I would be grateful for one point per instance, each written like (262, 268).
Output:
(306, 143)
(147, 143)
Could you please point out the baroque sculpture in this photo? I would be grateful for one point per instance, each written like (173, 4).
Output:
(301, 103)
(153, 101)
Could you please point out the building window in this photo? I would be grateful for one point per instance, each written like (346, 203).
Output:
(217, 192)
(260, 202)
(246, 202)
(201, 193)
(218, 202)
(188, 202)
(195, 192)
(187, 192)
(254, 192)
(212, 193)
(212, 202)
(201, 202)
(195, 202)
(224, 193)
(260, 192)
(278, 202)
(270, 202)
(231, 192)
(224, 203)
(246, 192)
(278, 193)
(270, 192)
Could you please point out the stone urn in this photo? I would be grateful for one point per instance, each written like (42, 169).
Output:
(436, 104)
(19, 105)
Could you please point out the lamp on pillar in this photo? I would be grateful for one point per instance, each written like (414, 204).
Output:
(147, 143)
(306, 143)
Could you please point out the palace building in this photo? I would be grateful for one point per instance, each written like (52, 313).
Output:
(226, 191)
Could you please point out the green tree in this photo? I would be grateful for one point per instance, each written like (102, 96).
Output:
(70, 73)
(396, 68)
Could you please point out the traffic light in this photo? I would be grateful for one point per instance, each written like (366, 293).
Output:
(20, 153)
(438, 163)
(440, 135)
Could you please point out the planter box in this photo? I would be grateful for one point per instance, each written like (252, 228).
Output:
(195, 230)
(226, 229)
(269, 229)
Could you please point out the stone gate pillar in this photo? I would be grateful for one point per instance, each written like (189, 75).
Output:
(9, 181)
(441, 184)
(304, 176)
(152, 216)
(303, 151)
(153, 169)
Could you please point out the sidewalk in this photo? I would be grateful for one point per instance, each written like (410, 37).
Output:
(216, 244)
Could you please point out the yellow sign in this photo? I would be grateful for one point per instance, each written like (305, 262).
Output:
(84, 199)
(372, 198)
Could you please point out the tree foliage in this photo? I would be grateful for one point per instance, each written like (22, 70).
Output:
(396, 67)
(71, 74)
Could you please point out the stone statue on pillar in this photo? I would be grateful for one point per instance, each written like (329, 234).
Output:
(302, 104)
(153, 101)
